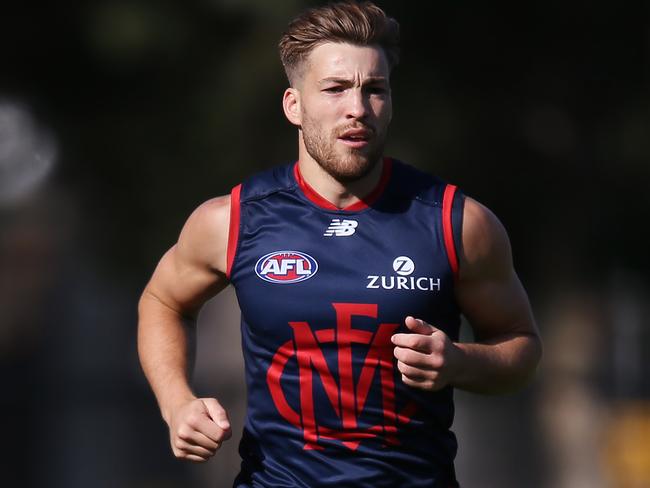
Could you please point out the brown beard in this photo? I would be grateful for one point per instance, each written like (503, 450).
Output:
(347, 168)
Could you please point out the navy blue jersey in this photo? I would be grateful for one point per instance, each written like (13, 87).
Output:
(321, 291)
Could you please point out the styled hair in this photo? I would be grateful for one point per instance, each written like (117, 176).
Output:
(358, 23)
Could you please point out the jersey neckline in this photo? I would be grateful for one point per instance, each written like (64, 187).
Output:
(315, 197)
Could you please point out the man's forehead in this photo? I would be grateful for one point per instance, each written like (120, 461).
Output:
(343, 60)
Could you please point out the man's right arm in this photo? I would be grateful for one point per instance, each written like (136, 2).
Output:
(189, 274)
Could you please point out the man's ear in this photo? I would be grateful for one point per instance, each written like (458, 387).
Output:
(291, 106)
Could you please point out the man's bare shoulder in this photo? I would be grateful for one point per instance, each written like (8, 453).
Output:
(486, 246)
(193, 270)
(204, 238)
(213, 213)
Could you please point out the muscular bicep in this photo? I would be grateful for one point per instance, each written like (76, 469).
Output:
(496, 307)
(489, 291)
(193, 270)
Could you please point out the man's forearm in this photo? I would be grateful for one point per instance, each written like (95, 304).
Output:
(166, 344)
(497, 366)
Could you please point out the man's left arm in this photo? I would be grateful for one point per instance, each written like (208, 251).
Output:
(489, 293)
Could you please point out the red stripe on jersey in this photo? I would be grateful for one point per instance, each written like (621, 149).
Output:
(365, 202)
(447, 203)
(233, 228)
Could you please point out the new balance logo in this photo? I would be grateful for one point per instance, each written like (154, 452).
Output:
(341, 228)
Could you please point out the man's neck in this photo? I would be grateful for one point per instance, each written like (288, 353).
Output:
(339, 194)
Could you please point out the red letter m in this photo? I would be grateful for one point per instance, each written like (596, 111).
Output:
(346, 398)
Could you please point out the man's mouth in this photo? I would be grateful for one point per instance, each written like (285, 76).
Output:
(355, 138)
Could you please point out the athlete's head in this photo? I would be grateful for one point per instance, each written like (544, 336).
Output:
(338, 59)
(360, 24)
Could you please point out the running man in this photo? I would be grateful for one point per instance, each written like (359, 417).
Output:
(352, 270)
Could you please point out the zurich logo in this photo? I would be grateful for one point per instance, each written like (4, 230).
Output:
(403, 265)
(286, 267)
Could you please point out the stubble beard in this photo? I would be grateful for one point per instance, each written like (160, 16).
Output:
(346, 164)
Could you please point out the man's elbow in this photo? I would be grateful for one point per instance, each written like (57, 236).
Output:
(522, 364)
(530, 359)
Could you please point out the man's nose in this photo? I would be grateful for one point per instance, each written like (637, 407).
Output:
(357, 106)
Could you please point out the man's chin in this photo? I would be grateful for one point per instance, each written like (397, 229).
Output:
(354, 166)
(345, 164)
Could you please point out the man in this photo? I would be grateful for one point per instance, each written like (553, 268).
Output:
(351, 271)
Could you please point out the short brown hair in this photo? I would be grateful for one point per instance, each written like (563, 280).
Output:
(362, 24)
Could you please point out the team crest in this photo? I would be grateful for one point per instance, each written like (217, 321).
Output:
(286, 267)
(347, 387)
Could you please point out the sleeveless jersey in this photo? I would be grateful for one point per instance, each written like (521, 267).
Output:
(321, 292)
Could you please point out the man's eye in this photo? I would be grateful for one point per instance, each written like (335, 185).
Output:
(376, 90)
(334, 89)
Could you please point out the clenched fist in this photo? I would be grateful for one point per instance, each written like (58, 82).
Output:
(426, 357)
(197, 429)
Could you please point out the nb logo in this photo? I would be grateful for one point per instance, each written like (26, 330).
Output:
(309, 353)
(341, 228)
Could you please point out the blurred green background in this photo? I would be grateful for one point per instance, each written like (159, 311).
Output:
(117, 118)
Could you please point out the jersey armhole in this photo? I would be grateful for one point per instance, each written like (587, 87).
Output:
(233, 228)
(457, 213)
(453, 203)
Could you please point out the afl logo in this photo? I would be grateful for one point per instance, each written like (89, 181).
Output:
(286, 267)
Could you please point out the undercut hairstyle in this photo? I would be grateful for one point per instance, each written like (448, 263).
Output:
(357, 23)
